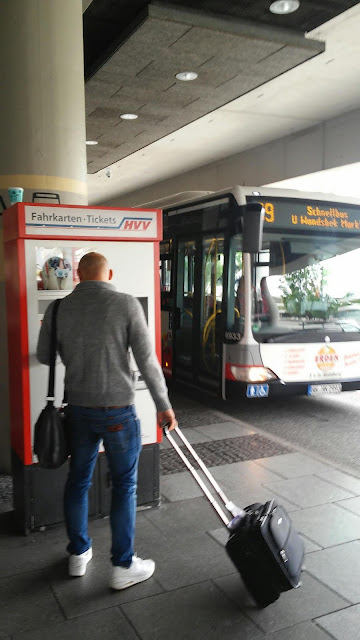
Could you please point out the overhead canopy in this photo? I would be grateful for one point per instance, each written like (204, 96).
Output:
(230, 56)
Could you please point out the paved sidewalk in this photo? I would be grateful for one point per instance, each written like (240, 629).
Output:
(195, 593)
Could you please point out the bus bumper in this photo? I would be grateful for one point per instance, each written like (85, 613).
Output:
(278, 388)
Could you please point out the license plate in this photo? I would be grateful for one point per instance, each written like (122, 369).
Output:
(323, 389)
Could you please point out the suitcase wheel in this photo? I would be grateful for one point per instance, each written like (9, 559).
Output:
(262, 594)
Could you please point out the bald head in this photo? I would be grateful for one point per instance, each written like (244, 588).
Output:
(94, 266)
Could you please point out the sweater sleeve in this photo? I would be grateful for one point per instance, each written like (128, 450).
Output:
(145, 356)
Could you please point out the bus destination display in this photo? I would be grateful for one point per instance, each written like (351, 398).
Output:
(293, 214)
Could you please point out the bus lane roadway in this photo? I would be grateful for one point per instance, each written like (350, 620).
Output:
(327, 426)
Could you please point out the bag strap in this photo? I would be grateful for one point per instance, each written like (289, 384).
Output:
(51, 387)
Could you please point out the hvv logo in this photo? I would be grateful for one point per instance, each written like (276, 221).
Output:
(135, 224)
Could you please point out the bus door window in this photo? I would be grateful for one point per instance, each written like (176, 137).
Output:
(165, 267)
(211, 303)
(166, 286)
(236, 289)
(184, 302)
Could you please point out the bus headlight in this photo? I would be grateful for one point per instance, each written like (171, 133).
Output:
(252, 374)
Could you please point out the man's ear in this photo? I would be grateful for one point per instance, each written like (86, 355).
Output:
(110, 274)
(79, 274)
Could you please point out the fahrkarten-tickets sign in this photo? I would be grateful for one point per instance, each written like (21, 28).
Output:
(84, 221)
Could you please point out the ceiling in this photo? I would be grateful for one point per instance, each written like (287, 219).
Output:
(107, 23)
(231, 59)
(135, 73)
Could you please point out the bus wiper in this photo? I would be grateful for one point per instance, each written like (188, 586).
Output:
(320, 328)
(334, 325)
(289, 334)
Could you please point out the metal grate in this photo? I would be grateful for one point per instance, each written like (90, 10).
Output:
(220, 452)
(198, 417)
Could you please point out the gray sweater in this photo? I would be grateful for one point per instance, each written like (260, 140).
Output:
(96, 325)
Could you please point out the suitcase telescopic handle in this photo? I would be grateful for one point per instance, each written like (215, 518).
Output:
(228, 504)
(195, 474)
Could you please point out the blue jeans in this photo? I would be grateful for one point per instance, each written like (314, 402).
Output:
(120, 431)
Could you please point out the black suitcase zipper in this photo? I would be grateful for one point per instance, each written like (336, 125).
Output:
(279, 555)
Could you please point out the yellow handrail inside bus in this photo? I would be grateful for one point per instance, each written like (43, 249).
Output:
(207, 325)
(212, 317)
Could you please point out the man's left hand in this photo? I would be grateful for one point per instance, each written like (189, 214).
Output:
(167, 419)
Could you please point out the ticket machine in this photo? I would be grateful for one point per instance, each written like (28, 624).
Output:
(43, 245)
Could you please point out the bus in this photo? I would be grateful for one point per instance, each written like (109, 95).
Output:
(278, 317)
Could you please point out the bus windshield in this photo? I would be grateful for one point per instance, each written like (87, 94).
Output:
(306, 286)
(303, 288)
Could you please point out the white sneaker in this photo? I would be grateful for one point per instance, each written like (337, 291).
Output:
(139, 570)
(77, 564)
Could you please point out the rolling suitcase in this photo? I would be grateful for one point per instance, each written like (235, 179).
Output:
(263, 544)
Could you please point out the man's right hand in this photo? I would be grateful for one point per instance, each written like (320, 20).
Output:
(167, 419)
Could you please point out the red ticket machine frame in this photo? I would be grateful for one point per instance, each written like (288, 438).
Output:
(38, 492)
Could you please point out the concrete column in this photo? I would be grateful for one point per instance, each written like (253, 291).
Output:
(42, 123)
(42, 105)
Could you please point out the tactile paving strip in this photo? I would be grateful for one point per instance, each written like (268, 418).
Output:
(219, 452)
(194, 417)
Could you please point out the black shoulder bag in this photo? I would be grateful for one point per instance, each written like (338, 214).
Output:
(50, 439)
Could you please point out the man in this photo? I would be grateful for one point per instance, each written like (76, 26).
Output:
(96, 326)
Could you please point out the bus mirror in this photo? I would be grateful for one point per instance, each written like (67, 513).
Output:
(253, 223)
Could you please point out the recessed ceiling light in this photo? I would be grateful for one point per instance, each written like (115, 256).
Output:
(284, 6)
(186, 76)
(129, 116)
(91, 142)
